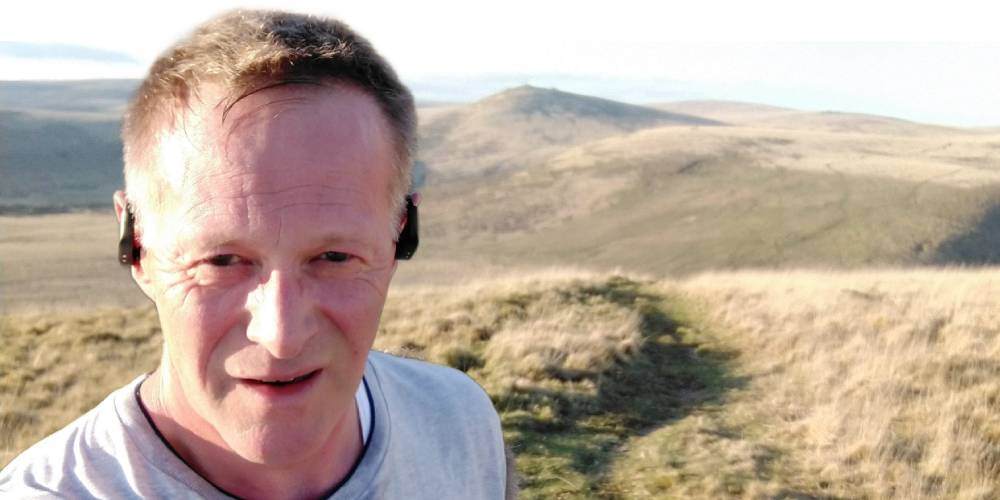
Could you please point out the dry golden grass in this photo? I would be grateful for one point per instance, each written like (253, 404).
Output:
(952, 157)
(62, 262)
(866, 384)
(584, 331)
(53, 368)
(880, 384)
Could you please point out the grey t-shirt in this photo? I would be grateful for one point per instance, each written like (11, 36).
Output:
(434, 434)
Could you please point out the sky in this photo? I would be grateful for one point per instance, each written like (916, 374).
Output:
(926, 61)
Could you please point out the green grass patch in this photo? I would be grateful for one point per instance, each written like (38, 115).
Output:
(566, 440)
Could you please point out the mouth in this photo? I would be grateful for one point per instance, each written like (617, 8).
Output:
(281, 384)
(294, 380)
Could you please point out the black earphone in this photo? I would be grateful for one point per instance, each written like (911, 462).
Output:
(409, 237)
(406, 245)
(128, 251)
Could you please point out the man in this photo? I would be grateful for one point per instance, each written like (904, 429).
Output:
(267, 170)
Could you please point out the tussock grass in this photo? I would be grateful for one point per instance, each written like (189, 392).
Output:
(54, 368)
(860, 385)
(576, 363)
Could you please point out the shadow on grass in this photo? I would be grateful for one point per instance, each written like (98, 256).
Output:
(554, 432)
(980, 246)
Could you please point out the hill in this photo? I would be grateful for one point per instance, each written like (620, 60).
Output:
(535, 176)
(762, 115)
(101, 97)
(734, 112)
(59, 145)
(682, 199)
(52, 162)
(522, 126)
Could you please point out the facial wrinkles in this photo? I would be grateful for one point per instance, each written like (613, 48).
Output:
(173, 272)
(278, 120)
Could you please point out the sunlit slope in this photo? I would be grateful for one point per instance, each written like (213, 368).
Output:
(61, 262)
(524, 125)
(732, 112)
(762, 115)
(681, 199)
(853, 385)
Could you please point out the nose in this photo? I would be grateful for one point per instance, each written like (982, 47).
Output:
(280, 320)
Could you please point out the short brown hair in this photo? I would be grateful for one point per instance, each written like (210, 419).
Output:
(249, 50)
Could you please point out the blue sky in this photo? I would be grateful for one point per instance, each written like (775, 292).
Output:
(931, 62)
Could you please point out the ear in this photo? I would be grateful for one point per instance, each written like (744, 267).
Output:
(139, 274)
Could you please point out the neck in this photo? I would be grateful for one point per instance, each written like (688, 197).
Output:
(201, 447)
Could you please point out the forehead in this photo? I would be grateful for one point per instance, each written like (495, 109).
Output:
(292, 148)
(324, 125)
(285, 135)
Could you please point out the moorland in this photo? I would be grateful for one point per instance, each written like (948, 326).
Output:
(691, 299)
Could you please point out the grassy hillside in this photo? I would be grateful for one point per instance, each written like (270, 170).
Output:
(103, 97)
(536, 175)
(62, 262)
(862, 385)
(732, 112)
(59, 146)
(752, 114)
(750, 385)
(679, 200)
(544, 176)
(522, 127)
(57, 162)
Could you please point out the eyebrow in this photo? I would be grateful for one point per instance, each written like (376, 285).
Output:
(221, 240)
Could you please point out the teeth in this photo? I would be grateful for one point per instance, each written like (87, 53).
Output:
(286, 381)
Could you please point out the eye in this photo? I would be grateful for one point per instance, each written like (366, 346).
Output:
(334, 256)
(225, 260)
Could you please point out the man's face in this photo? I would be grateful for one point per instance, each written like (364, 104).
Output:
(269, 264)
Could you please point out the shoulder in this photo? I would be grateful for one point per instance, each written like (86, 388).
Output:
(69, 460)
(421, 383)
(445, 432)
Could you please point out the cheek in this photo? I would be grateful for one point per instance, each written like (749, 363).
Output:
(354, 309)
(195, 328)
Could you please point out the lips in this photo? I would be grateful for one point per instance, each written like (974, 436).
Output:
(274, 381)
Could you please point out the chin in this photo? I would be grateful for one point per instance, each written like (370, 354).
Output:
(277, 443)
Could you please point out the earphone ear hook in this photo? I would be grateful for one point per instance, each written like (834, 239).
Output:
(128, 250)
(409, 236)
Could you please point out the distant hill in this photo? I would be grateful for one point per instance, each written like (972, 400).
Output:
(53, 163)
(774, 188)
(533, 175)
(712, 203)
(59, 145)
(725, 111)
(744, 113)
(107, 97)
(523, 125)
